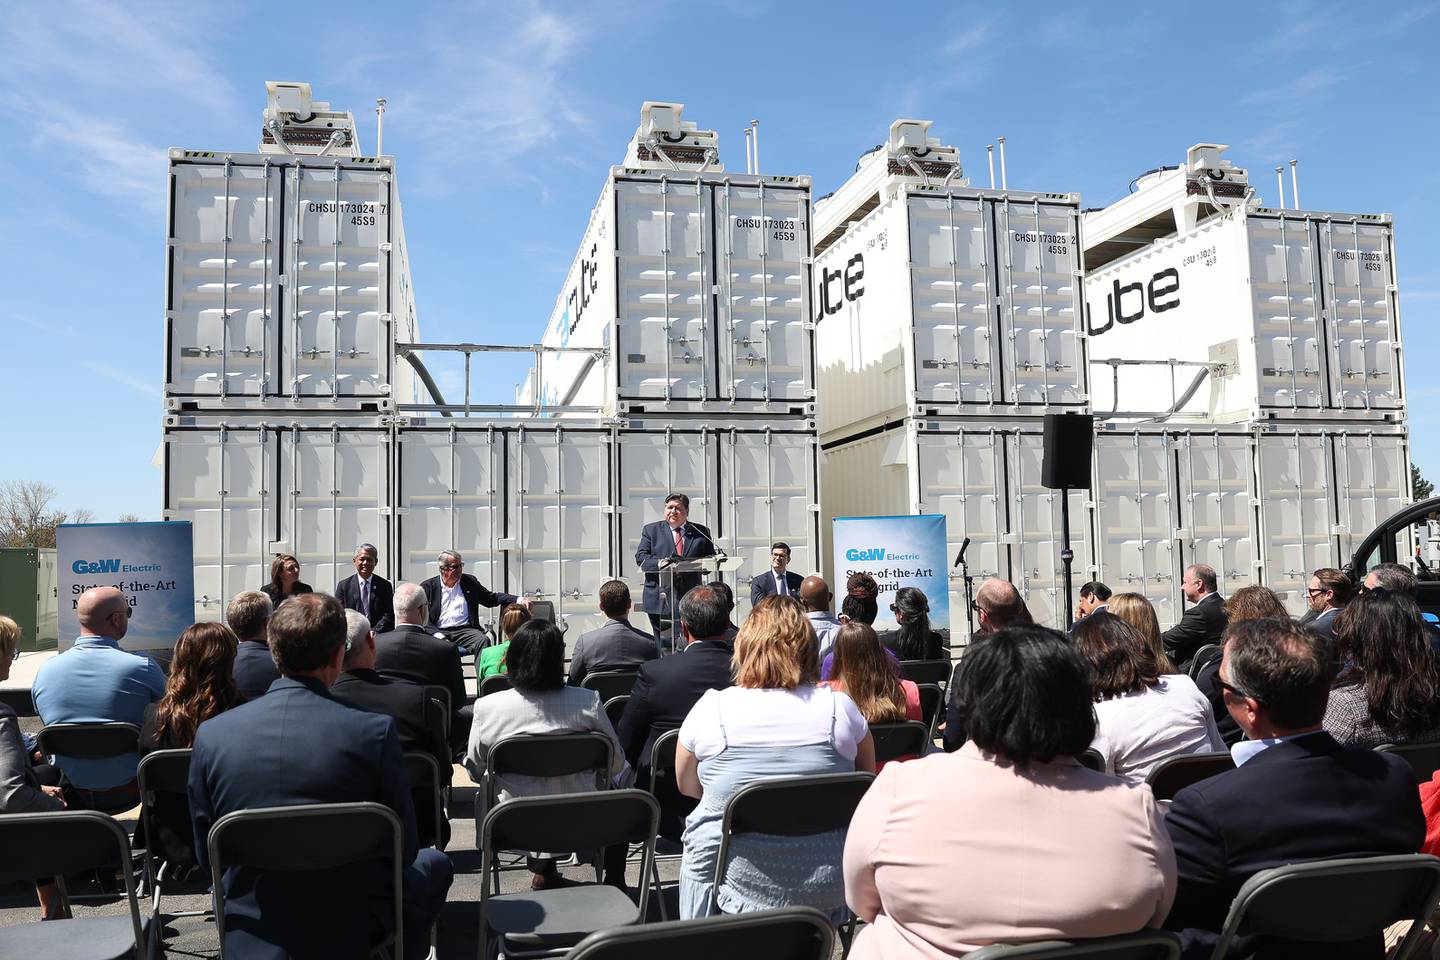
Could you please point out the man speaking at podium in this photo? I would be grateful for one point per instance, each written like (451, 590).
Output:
(675, 536)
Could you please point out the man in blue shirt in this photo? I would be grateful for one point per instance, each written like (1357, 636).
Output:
(95, 681)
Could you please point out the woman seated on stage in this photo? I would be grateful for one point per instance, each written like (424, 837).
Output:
(775, 722)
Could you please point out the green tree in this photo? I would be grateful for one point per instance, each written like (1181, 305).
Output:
(1423, 488)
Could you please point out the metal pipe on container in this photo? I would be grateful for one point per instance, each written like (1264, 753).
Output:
(990, 156)
(749, 161)
(379, 126)
(1280, 184)
(1004, 181)
(755, 139)
(1294, 185)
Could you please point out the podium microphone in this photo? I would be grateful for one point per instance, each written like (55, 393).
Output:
(719, 552)
(960, 557)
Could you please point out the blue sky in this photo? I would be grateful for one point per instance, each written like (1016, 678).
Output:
(504, 117)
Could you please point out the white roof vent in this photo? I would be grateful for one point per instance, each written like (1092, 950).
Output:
(296, 123)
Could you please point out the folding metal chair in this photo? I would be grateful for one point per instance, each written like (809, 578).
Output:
(1424, 758)
(895, 740)
(662, 774)
(311, 836)
(1205, 656)
(439, 692)
(89, 741)
(610, 683)
(1092, 760)
(165, 807)
(494, 684)
(1173, 775)
(546, 755)
(615, 709)
(423, 772)
(1143, 945)
(1335, 901)
(927, 671)
(66, 842)
(543, 923)
(932, 705)
(794, 933)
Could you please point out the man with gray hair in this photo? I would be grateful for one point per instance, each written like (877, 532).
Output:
(365, 592)
(412, 652)
(455, 599)
(1203, 623)
(248, 615)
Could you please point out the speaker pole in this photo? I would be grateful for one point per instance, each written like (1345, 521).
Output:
(1067, 556)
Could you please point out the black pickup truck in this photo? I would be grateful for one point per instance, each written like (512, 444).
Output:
(1383, 545)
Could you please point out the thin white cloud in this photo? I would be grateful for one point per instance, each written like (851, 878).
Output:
(122, 377)
(1298, 88)
(971, 38)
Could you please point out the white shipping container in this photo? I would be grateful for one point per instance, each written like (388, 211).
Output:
(984, 477)
(287, 283)
(1261, 505)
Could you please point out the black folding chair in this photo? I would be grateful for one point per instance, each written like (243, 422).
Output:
(615, 709)
(932, 705)
(789, 807)
(442, 693)
(545, 755)
(610, 683)
(89, 741)
(423, 772)
(1173, 775)
(1092, 760)
(1144, 945)
(1424, 758)
(549, 922)
(66, 842)
(927, 671)
(895, 740)
(165, 810)
(794, 933)
(311, 836)
(1317, 902)
(494, 684)
(1205, 656)
(665, 792)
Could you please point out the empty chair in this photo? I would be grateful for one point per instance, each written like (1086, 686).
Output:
(927, 671)
(63, 842)
(610, 683)
(1205, 656)
(427, 791)
(1144, 945)
(1173, 775)
(548, 922)
(1424, 758)
(794, 933)
(441, 693)
(932, 705)
(894, 741)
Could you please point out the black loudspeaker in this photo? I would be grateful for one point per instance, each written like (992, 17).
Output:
(1069, 440)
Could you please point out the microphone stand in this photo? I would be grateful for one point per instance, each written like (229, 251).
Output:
(969, 588)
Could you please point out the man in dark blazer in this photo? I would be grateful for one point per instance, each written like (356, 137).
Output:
(615, 645)
(778, 579)
(1329, 592)
(419, 719)
(666, 689)
(455, 599)
(369, 595)
(673, 536)
(1295, 795)
(411, 652)
(248, 614)
(1203, 623)
(298, 745)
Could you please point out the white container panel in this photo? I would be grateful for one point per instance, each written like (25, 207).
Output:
(1285, 293)
(952, 299)
(1040, 276)
(1036, 532)
(964, 480)
(1297, 507)
(770, 486)
(449, 499)
(336, 497)
(1358, 268)
(868, 477)
(1217, 496)
(1134, 517)
(1373, 476)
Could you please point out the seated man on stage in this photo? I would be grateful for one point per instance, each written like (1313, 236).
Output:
(454, 599)
(674, 536)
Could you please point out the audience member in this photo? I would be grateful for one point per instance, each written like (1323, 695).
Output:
(1392, 576)
(492, 658)
(774, 722)
(616, 644)
(367, 593)
(1094, 596)
(1390, 691)
(861, 603)
(815, 598)
(998, 605)
(284, 580)
(778, 579)
(95, 681)
(248, 616)
(912, 639)
(247, 758)
(540, 702)
(454, 599)
(1137, 611)
(22, 789)
(412, 653)
(1050, 850)
(1203, 622)
(728, 596)
(861, 669)
(1143, 717)
(419, 720)
(1295, 794)
(1247, 603)
(1327, 594)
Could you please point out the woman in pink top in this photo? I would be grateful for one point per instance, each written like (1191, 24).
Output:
(1008, 840)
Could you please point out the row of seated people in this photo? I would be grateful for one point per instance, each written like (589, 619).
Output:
(729, 735)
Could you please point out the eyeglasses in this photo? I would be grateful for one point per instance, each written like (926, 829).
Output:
(974, 605)
(129, 612)
(1314, 590)
(1235, 690)
(451, 566)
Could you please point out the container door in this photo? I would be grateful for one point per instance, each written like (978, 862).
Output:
(650, 466)
(337, 489)
(336, 308)
(223, 481)
(761, 256)
(1284, 293)
(223, 282)
(1134, 517)
(1041, 280)
(1359, 274)
(1217, 496)
(664, 292)
(561, 490)
(770, 489)
(953, 301)
(1297, 513)
(450, 498)
(1373, 476)
(1036, 533)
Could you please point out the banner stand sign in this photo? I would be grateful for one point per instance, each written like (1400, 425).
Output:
(153, 564)
(898, 552)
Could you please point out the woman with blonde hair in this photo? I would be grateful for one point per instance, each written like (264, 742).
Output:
(774, 722)
(284, 579)
(1140, 615)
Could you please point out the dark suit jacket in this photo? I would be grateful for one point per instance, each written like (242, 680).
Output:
(382, 601)
(298, 745)
(763, 585)
(1324, 623)
(1203, 623)
(254, 669)
(1303, 799)
(616, 645)
(476, 596)
(666, 689)
(657, 542)
(274, 594)
(411, 653)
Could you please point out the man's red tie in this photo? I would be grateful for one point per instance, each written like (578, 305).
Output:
(679, 543)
